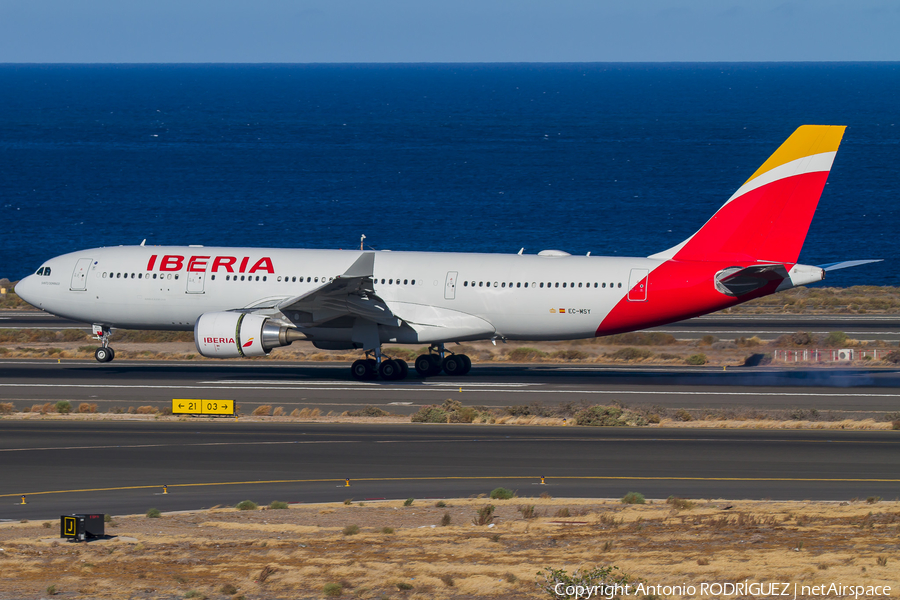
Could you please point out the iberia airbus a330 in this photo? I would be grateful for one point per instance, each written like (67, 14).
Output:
(246, 301)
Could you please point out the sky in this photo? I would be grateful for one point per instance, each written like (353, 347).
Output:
(317, 31)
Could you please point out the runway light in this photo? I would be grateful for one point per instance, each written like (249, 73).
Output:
(346, 483)
(165, 489)
(23, 499)
(542, 480)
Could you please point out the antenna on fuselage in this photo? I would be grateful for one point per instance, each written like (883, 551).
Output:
(361, 238)
(144, 242)
(521, 251)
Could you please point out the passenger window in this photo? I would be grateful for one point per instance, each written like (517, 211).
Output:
(557, 284)
(480, 284)
(170, 276)
(579, 284)
(118, 275)
(604, 284)
(595, 284)
(213, 277)
(141, 276)
(526, 284)
(503, 284)
(295, 279)
(264, 277)
(176, 276)
(405, 282)
(104, 274)
(620, 285)
(132, 275)
(519, 284)
(391, 281)
(564, 284)
(495, 284)
(465, 284)
(542, 284)
(242, 277)
(154, 275)
(228, 278)
(257, 277)
(279, 278)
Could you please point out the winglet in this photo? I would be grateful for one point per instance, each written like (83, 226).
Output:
(767, 218)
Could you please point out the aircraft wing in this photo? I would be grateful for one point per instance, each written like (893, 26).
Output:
(349, 295)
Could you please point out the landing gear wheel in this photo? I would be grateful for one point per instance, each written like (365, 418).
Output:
(428, 365)
(454, 365)
(404, 368)
(467, 363)
(104, 355)
(390, 370)
(362, 370)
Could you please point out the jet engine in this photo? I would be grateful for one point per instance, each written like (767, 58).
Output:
(234, 334)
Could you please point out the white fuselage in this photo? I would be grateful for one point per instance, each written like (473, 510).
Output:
(440, 296)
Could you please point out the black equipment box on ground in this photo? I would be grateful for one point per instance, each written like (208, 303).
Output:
(82, 527)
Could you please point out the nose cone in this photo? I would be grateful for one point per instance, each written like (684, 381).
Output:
(27, 288)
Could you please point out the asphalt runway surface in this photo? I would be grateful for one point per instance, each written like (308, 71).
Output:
(767, 327)
(848, 393)
(121, 467)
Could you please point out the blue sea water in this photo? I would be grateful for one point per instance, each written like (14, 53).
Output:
(619, 159)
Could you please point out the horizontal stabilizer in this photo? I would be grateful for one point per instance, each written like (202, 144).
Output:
(845, 264)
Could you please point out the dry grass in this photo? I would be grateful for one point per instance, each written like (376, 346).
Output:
(295, 553)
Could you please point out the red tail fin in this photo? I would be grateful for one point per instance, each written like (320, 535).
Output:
(767, 218)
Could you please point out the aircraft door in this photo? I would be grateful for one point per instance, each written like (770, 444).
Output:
(79, 275)
(196, 282)
(637, 285)
(450, 285)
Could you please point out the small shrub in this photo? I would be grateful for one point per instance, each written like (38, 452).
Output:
(348, 501)
(554, 579)
(629, 354)
(882, 561)
(333, 589)
(63, 407)
(263, 411)
(607, 546)
(153, 513)
(6, 408)
(501, 494)
(246, 505)
(147, 410)
(278, 505)
(527, 511)
(403, 586)
(440, 504)
(485, 515)
(47, 524)
(495, 537)
(873, 499)
(85, 407)
(445, 520)
(563, 513)
(707, 340)
(680, 503)
(633, 498)
(107, 518)
(195, 594)
(51, 589)
(228, 589)
(683, 415)
(278, 412)
(702, 561)
(409, 501)
(351, 530)
(696, 360)
(368, 411)
(448, 580)
(387, 530)
(835, 339)
(525, 354)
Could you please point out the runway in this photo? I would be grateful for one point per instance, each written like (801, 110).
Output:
(856, 393)
(121, 467)
(767, 327)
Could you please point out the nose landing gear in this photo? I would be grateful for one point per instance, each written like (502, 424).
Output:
(104, 353)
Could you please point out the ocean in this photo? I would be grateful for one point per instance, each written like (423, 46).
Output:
(617, 159)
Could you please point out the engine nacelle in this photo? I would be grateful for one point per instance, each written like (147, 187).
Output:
(234, 334)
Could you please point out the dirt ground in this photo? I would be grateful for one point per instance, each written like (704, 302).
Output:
(383, 549)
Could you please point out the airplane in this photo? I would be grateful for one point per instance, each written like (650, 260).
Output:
(244, 302)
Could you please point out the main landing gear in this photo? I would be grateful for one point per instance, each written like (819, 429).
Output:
(104, 353)
(439, 359)
(394, 369)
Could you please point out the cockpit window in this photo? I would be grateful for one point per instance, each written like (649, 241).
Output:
(43, 271)
(46, 271)
(40, 271)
